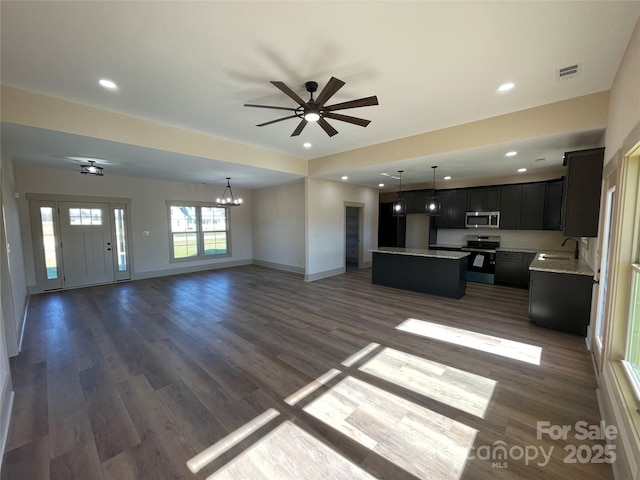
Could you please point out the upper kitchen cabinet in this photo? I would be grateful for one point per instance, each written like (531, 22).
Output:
(453, 207)
(582, 186)
(522, 206)
(552, 219)
(416, 200)
(532, 208)
(483, 199)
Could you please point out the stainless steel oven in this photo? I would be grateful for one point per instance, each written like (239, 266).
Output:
(482, 220)
(481, 263)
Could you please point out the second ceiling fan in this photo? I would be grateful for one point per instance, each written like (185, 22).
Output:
(315, 110)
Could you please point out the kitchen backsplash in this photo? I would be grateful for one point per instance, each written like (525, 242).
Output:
(525, 239)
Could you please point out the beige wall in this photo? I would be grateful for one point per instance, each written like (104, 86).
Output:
(325, 224)
(278, 225)
(15, 290)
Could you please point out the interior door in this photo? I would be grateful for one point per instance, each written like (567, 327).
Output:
(85, 231)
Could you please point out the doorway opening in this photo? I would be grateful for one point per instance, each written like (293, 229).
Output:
(353, 234)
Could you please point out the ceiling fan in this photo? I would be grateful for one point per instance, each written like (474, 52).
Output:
(315, 110)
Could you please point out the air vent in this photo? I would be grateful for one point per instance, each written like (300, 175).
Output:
(571, 71)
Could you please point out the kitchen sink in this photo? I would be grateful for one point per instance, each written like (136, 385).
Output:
(544, 256)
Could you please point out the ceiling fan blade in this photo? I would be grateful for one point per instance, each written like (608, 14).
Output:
(299, 128)
(275, 121)
(270, 106)
(361, 102)
(347, 118)
(329, 90)
(290, 93)
(327, 128)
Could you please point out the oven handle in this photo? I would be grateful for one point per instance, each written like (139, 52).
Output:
(477, 250)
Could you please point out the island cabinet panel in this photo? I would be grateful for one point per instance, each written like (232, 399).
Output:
(560, 301)
(445, 277)
(582, 192)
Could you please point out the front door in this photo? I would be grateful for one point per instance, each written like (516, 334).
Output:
(85, 231)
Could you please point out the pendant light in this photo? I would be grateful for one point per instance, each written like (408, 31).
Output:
(400, 205)
(227, 199)
(432, 207)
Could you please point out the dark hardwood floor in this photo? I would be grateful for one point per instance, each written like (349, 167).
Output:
(131, 381)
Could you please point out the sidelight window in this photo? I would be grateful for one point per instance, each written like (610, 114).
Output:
(49, 242)
(632, 356)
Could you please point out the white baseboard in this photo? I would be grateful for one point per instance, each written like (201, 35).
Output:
(6, 406)
(279, 266)
(188, 269)
(320, 275)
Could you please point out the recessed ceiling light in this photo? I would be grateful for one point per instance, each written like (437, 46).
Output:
(522, 170)
(344, 177)
(381, 184)
(108, 84)
(306, 145)
(505, 87)
(447, 177)
(512, 153)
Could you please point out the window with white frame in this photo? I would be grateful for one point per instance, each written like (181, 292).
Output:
(632, 355)
(198, 231)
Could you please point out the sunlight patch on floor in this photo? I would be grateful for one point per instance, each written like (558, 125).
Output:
(426, 444)
(208, 455)
(311, 387)
(360, 354)
(290, 453)
(478, 341)
(463, 390)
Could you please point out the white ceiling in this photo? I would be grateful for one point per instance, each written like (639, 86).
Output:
(194, 64)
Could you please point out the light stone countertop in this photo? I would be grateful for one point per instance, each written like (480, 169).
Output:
(561, 265)
(419, 252)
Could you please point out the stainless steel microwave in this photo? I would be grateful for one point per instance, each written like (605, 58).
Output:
(482, 220)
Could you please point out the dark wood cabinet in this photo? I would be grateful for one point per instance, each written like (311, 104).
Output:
(483, 199)
(453, 207)
(510, 203)
(532, 206)
(552, 218)
(508, 268)
(391, 230)
(560, 301)
(512, 268)
(582, 187)
(525, 273)
(522, 206)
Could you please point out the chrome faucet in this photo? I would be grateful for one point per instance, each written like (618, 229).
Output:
(576, 253)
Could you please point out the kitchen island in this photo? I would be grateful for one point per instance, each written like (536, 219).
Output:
(435, 272)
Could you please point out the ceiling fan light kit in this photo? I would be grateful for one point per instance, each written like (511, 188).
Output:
(315, 110)
(91, 169)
